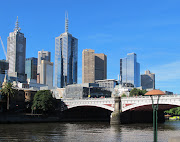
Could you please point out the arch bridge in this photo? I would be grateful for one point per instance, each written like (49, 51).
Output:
(139, 103)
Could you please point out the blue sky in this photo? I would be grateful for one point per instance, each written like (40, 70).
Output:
(150, 28)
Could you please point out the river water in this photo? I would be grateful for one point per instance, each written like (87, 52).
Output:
(87, 132)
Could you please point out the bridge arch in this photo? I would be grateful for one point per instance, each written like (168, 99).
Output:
(134, 106)
(87, 113)
(107, 107)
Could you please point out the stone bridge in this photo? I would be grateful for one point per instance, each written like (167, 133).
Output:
(140, 103)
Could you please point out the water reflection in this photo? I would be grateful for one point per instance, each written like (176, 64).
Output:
(87, 132)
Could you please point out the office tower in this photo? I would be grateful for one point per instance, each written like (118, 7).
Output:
(88, 66)
(42, 55)
(66, 58)
(148, 80)
(16, 53)
(100, 66)
(46, 73)
(130, 71)
(31, 68)
(94, 66)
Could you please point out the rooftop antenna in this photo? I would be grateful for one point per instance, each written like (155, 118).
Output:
(66, 22)
(17, 25)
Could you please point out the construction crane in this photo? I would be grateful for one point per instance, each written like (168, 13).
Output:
(3, 47)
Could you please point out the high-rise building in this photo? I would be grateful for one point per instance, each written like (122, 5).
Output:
(148, 80)
(46, 73)
(88, 66)
(42, 55)
(94, 66)
(16, 53)
(100, 66)
(31, 68)
(130, 71)
(66, 58)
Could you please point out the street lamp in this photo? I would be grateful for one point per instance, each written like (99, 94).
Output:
(156, 93)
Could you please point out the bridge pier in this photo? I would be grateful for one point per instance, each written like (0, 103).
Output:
(115, 115)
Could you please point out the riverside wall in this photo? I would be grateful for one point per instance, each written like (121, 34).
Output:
(27, 118)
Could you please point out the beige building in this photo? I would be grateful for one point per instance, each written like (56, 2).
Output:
(94, 66)
(46, 73)
(42, 55)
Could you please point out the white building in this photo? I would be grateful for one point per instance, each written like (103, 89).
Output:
(16, 53)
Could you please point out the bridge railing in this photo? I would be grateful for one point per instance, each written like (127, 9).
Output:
(169, 96)
(88, 99)
(165, 98)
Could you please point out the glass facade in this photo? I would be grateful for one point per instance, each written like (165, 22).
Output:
(31, 68)
(130, 71)
(66, 56)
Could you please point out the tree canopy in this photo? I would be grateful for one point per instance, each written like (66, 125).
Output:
(173, 111)
(137, 92)
(43, 102)
(123, 95)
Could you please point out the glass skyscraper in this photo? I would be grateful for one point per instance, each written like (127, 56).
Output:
(130, 71)
(31, 68)
(66, 58)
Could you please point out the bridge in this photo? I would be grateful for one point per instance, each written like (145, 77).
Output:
(131, 107)
(127, 103)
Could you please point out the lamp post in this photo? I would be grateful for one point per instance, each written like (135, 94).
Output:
(156, 93)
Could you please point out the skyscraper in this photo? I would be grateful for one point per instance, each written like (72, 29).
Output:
(88, 66)
(16, 53)
(66, 58)
(94, 66)
(46, 73)
(100, 66)
(130, 71)
(148, 80)
(31, 68)
(42, 55)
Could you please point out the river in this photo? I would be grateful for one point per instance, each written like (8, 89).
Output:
(87, 132)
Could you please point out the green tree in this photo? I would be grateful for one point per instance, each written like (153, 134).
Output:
(134, 92)
(123, 95)
(137, 92)
(8, 91)
(173, 111)
(43, 102)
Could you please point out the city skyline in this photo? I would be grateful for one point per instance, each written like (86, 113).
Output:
(150, 29)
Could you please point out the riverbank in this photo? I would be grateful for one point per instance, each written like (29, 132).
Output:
(27, 118)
